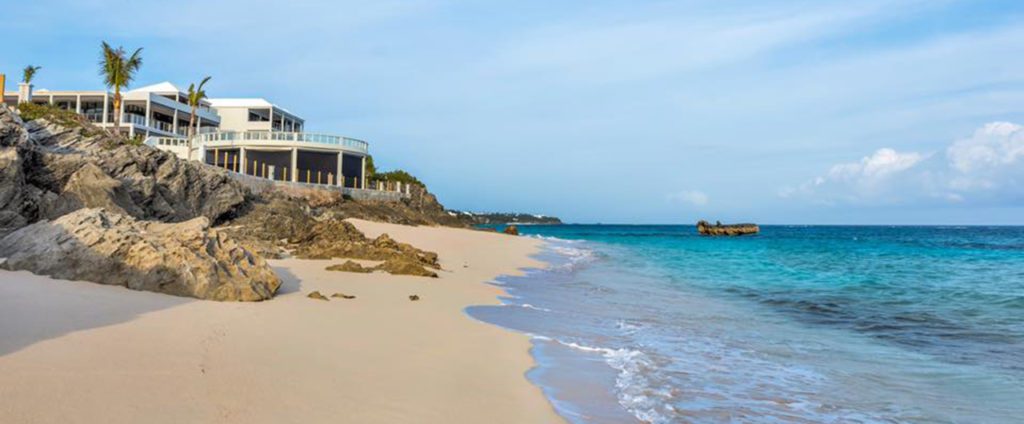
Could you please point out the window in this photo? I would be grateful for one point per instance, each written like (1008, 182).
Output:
(259, 115)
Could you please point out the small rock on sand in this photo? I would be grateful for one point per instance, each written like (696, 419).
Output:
(343, 296)
(316, 295)
(414, 297)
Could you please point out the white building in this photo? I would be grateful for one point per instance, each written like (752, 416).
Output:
(159, 110)
(251, 136)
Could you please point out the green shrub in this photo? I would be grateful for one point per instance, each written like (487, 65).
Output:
(399, 176)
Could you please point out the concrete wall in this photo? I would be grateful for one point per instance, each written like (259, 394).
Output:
(260, 185)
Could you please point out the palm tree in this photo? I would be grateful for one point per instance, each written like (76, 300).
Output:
(195, 96)
(118, 69)
(29, 72)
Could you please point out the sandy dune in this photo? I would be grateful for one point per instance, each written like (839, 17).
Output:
(81, 352)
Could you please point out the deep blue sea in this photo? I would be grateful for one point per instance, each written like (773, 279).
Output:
(803, 324)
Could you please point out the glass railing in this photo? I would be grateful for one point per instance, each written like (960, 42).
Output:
(337, 140)
(131, 118)
(162, 126)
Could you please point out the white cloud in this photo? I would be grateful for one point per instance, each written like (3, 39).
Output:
(692, 197)
(987, 168)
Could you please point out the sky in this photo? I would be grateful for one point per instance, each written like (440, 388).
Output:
(785, 112)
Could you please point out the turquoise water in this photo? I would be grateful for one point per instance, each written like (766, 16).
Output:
(797, 324)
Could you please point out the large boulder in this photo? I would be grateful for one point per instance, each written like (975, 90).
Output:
(90, 187)
(182, 259)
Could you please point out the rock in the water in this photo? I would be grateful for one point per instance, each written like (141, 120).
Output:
(182, 259)
(316, 295)
(349, 266)
(511, 230)
(706, 229)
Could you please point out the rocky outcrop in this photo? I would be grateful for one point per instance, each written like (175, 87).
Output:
(706, 229)
(182, 259)
(280, 224)
(47, 170)
(511, 230)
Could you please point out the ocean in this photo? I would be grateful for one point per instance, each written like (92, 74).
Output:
(805, 324)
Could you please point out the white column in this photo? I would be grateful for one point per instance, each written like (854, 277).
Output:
(105, 108)
(78, 103)
(149, 111)
(363, 174)
(295, 164)
(24, 93)
(174, 125)
(241, 159)
(339, 178)
(51, 100)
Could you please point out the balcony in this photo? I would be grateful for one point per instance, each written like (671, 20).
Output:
(284, 138)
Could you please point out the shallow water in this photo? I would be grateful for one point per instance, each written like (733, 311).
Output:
(797, 324)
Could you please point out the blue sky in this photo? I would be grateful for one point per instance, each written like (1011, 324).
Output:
(874, 111)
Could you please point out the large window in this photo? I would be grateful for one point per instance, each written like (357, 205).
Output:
(259, 115)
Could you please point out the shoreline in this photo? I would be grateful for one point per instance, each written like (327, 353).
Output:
(84, 352)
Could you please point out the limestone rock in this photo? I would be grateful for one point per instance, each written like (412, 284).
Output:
(404, 266)
(90, 187)
(183, 259)
(349, 266)
(316, 295)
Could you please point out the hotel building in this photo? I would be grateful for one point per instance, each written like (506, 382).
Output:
(250, 136)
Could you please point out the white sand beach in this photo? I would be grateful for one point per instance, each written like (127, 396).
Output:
(79, 352)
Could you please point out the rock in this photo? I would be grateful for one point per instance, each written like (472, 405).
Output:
(706, 229)
(316, 295)
(343, 296)
(414, 297)
(511, 230)
(401, 266)
(90, 187)
(183, 259)
(349, 266)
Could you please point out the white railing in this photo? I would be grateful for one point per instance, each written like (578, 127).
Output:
(162, 126)
(349, 143)
(167, 141)
(131, 118)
